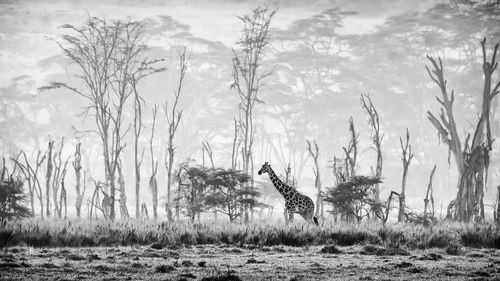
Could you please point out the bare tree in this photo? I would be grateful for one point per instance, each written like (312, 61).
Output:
(472, 159)
(376, 136)
(58, 176)
(406, 157)
(153, 183)
(31, 176)
(40, 158)
(173, 119)
(429, 195)
(48, 176)
(236, 146)
(78, 173)
(108, 54)
(137, 132)
(208, 149)
(96, 203)
(344, 168)
(135, 78)
(247, 80)
(123, 196)
(28, 177)
(351, 152)
(63, 202)
(317, 182)
(496, 211)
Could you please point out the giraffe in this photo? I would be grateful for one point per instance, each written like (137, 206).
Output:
(294, 201)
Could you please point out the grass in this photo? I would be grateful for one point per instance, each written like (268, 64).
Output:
(163, 235)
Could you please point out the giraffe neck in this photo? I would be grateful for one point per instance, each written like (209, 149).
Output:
(282, 188)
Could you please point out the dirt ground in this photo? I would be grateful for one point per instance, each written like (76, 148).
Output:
(223, 262)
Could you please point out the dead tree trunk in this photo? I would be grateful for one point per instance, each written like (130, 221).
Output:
(138, 101)
(153, 183)
(351, 155)
(48, 176)
(57, 179)
(472, 160)
(388, 207)
(173, 118)
(236, 146)
(78, 173)
(208, 149)
(376, 136)
(33, 173)
(247, 82)
(62, 199)
(351, 152)
(25, 170)
(123, 195)
(406, 157)
(144, 212)
(496, 212)
(110, 58)
(429, 193)
(319, 199)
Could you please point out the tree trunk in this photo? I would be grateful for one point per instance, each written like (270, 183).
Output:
(473, 161)
(497, 209)
(78, 167)
(429, 193)
(123, 197)
(48, 176)
(406, 157)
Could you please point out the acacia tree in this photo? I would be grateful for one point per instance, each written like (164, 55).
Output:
(354, 198)
(247, 80)
(173, 119)
(344, 168)
(472, 159)
(192, 186)
(225, 195)
(12, 197)
(107, 55)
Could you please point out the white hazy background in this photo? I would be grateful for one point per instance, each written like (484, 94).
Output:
(376, 54)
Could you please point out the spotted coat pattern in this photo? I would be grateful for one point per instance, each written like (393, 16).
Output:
(295, 202)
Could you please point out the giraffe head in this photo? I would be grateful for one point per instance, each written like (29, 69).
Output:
(265, 169)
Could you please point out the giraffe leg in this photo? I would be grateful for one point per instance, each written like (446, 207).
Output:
(290, 216)
(285, 214)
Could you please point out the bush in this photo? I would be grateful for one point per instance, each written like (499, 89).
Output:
(12, 200)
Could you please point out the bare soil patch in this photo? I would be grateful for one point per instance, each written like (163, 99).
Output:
(224, 262)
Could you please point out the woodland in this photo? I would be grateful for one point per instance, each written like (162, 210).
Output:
(106, 139)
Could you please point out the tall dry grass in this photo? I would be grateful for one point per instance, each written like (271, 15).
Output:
(263, 233)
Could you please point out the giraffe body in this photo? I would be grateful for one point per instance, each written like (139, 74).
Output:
(295, 202)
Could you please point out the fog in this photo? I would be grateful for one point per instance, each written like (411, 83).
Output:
(322, 56)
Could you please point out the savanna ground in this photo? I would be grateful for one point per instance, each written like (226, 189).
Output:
(100, 250)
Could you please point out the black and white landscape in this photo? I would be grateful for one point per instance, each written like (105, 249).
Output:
(249, 140)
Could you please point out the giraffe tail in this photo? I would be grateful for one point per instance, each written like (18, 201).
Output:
(315, 220)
